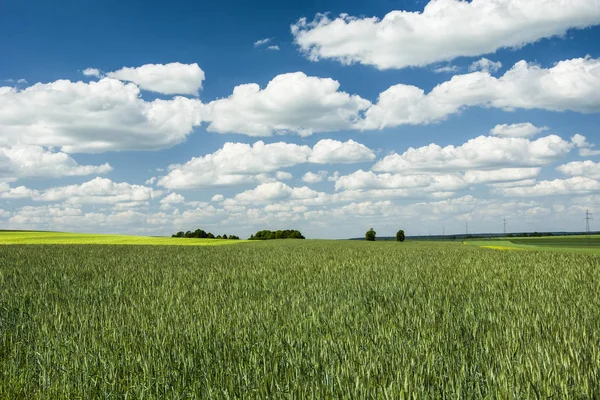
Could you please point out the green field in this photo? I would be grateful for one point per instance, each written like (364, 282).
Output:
(298, 319)
(578, 244)
(33, 237)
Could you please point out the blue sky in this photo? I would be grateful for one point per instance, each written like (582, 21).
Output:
(152, 117)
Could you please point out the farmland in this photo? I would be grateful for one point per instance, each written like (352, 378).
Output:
(36, 237)
(573, 244)
(298, 319)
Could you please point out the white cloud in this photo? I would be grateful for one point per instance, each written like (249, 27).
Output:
(328, 151)
(283, 176)
(234, 163)
(586, 168)
(585, 148)
(569, 85)
(432, 182)
(73, 218)
(589, 153)
(20, 192)
(22, 81)
(98, 191)
(580, 141)
(524, 182)
(261, 42)
(273, 48)
(239, 163)
(289, 103)
(486, 65)
(446, 69)
(483, 152)
(173, 198)
(272, 191)
(93, 117)
(91, 72)
(522, 130)
(26, 161)
(311, 177)
(575, 185)
(446, 29)
(173, 78)
(217, 198)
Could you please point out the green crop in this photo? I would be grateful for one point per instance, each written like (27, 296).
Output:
(298, 319)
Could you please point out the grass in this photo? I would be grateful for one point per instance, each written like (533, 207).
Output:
(298, 319)
(573, 244)
(32, 237)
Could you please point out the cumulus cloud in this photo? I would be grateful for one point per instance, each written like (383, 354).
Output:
(586, 168)
(522, 130)
(173, 198)
(172, 78)
(27, 161)
(98, 191)
(575, 185)
(328, 151)
(73, 218)
(20, 192)
(486, 65)
(94, 117)
(283, 176)
(446, 29)
(312, 177)
(585, 148)
(431, 182)
(569, 85)
(91, 72)
(589, 152)
(238, 163)
(234, 163)
(291, 102)
(272, 191)
(483, 152)
(273, 48)
(217, 198)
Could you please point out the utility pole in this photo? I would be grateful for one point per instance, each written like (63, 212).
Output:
(467, 228)
(504, 226)
(588, 218)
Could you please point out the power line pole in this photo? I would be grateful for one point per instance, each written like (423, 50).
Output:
(588, 218)
(504, 226)
(467, 228)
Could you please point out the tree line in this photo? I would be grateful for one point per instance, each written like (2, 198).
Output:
(270, 235)
(201, 234)
(260, 235)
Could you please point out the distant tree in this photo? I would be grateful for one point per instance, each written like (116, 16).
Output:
(280, 234)
(200, 234)
(179, 235)
(188, 234)
(400, 236)
(224, 236)
(370, 235)
(210, 236)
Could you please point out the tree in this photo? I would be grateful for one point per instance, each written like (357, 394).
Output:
(370, 235)
(400, 236)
